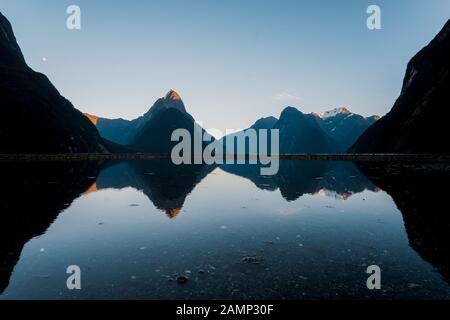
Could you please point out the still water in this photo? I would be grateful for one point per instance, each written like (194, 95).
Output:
(310, 232)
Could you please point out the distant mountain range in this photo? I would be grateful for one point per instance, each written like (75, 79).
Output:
(37, 119)
(418, 122)
(331, 131)
(328, 132)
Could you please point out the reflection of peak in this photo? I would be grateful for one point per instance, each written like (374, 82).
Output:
(91, 189)
(339, 180)
(172, 95)
(332, 194)
(165, 184)
(173, 213)
(346, 195)
(320, 193)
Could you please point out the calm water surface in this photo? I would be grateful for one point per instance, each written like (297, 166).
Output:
(309, 232)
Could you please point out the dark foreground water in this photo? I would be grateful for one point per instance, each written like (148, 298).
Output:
(310, 232)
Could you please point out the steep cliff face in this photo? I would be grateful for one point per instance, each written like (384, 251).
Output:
(419, 119)
(35, 118)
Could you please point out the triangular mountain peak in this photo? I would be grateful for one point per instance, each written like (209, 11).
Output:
(172, 95)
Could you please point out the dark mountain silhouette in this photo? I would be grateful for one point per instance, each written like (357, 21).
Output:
(373, 119)
(301, 133)
(35, 118)
(420, 193)
(296, 178)
(263, 123)
(33, 194)
(164, 183)
(418, 122)
(155, 135)
(125, 131)
(331, 131)
(116, 130)
(168, 185)
(152, 131)
(344, 126)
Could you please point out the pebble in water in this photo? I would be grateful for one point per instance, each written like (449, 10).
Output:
(182, 279)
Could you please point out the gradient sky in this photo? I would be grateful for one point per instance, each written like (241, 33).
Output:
(231, 61)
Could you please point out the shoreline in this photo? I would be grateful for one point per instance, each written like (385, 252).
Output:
(155, 156)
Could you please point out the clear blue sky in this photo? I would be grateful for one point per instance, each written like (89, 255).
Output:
(231, 61)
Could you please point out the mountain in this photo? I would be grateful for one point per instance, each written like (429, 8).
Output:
(418, 121)
(152, 131)
(267, 123)
(344, 126)
(116, 130)
(166, 185)
(338, 179)
(124, 132)
(331, 131)
(301, 133)
(155, 135)
(373, 119)
(35, 118)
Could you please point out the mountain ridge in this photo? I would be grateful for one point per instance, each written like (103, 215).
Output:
(48, 122)
(124, 131)
(333, 131)
(152, 131)
(417, 122)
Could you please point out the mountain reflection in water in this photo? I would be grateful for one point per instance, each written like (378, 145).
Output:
(34, 194)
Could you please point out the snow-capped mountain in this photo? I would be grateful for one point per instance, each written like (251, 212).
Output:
(333, 113)
(318, 132)
(344, 126)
